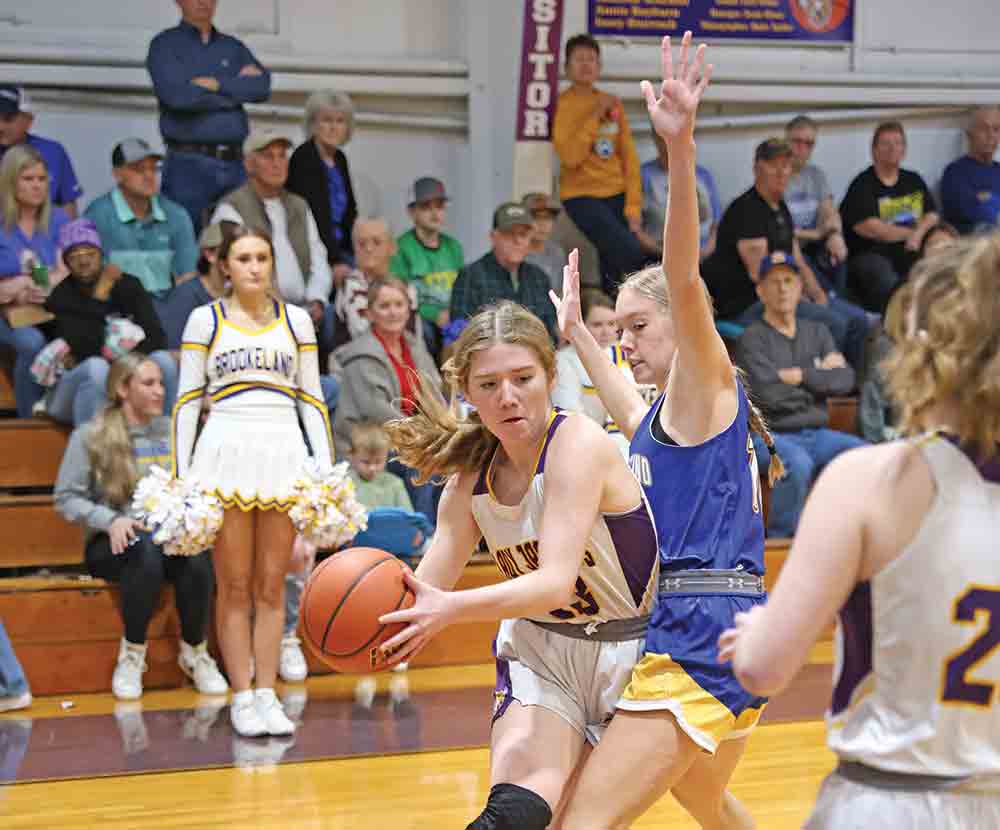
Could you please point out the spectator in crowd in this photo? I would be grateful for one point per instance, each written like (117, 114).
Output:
(100, 468)
(378, 373)
(209, 285)
(16, 119)
(758, 223)
(144, 233)
(886, 212)
(318, 173)
(574, 390)
(374, 248)
(970, 186)
(94, 294)
(502, 273)
(817, 221)
(544, 251)
(202, 78)
(429, 257)
(653, 174)
(301, 271)
(14, 691)
(793, 366)
(598, 167)
(29, 234)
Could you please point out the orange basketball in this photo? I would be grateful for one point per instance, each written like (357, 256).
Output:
(341, 604)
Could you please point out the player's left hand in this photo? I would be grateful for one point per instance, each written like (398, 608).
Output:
(730, 638)
(673, 113)
(432, 611)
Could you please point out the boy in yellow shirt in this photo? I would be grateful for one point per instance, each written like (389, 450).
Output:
(599, 180)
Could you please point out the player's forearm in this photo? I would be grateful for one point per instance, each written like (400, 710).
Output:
(533, 595)
(681, 232)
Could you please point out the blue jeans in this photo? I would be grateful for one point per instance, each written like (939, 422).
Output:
(603, 222)
(804, 453)
(197, 182)
(26, 342)
(82, 391)
(13, 683)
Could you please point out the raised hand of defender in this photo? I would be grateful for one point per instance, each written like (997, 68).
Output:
(568, 312)
(673, 112)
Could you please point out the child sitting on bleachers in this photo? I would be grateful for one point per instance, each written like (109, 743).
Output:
(393, 525)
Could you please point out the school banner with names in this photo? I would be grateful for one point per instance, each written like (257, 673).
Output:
(822, 21)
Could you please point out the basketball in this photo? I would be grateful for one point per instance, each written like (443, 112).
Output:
(341, 604)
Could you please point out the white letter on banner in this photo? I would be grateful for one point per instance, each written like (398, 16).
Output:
(536, 124)
(542, 38)
(544, 11)
(540, 62)
(538, 95)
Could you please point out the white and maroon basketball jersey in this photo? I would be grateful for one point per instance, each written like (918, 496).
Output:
(918, 667)
(620, 568)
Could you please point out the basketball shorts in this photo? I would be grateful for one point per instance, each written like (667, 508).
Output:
(579, 680)
(842, 804)
(680, 673)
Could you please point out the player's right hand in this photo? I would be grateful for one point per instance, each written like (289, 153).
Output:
(568, 313)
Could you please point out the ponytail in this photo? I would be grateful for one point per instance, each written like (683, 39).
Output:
(758, 424)
(435, 441)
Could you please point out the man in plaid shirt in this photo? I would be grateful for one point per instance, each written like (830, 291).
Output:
(502, 274)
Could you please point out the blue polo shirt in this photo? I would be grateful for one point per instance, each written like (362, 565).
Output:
(63, 185)
(155, 249)
(189, 113)
(43, 243)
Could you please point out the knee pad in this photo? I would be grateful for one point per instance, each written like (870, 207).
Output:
(511, 807)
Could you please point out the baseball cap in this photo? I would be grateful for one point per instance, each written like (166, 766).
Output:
(130, 150)
(211, 236)
(772, 148)
(541, 201)
(774, 260)
(13, 99)
(79, 232)
(424, 189)
(511, 215)
(260, 139)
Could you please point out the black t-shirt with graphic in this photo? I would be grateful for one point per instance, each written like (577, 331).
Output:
(904, 203)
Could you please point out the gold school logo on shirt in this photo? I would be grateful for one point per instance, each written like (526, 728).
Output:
(901, 210)
(256, 358)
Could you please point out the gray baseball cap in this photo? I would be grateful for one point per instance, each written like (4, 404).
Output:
(511, 215)
(260, 139)
(131, 150)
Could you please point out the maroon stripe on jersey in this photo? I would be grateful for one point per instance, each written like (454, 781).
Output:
(558, 419)
(856, 629)
(634, 538)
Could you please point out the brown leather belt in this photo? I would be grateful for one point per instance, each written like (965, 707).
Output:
(221, 152)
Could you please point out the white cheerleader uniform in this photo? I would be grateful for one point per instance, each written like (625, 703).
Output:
(260, 383)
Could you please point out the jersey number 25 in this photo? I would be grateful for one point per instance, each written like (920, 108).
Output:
(979, 605)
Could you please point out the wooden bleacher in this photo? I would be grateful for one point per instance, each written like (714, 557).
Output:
(66, 627)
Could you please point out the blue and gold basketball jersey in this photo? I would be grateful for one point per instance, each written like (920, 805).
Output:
(706, 499)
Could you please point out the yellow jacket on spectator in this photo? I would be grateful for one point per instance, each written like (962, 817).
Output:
(596, 158)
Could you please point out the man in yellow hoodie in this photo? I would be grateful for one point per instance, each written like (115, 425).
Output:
(599, 180)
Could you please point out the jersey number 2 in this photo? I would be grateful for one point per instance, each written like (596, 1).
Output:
(979, 604)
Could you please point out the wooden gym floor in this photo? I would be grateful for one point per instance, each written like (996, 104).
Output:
(415, 759)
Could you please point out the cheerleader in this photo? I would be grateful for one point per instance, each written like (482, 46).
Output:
(255, 359)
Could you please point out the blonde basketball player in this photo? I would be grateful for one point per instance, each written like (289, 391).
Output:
(255, 358)
(899, 542)
(567, 525)
(683, 720)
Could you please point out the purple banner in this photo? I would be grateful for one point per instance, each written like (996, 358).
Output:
(539, 84)
(816, 20)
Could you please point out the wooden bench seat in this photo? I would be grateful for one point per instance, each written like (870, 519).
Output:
(32, 534)
(31, 450)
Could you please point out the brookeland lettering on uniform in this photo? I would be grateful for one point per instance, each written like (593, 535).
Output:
(254, 358)
(521, 558)
(641, 469)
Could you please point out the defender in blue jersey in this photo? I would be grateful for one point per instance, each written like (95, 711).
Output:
(683, 719)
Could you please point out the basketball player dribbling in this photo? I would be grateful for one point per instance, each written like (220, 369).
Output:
(683, 719)
(568, 526)
(899, 542)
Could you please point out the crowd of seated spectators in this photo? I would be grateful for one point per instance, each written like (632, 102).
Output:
(805, 281)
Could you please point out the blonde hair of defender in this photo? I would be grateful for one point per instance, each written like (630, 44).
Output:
(109, 444)
(651, 283)
(947, 332)
(435, 441)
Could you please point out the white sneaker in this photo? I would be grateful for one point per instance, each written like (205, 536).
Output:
(126, 682)
(294, 700)
(21, 701)
(198, 664)
(292, 666)
(132, 727)
(244, 717)
(364, 691)
(271, 714)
